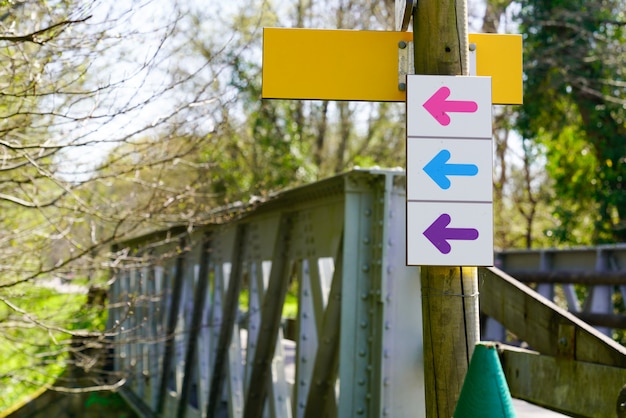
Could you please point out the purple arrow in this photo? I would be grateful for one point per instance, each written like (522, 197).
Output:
(438, 106)
(438, 233)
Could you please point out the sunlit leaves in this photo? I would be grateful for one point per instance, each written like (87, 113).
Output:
(574, 106)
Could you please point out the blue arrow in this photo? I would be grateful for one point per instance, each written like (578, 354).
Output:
(438, 169)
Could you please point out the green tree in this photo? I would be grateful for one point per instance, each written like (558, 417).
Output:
(521, 188)
(574, 106)
(265, 145)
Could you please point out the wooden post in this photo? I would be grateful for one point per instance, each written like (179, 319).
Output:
(449, 294)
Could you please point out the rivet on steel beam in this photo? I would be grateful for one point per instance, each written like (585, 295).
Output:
(402, 44)
(472, 47)
(402, 86)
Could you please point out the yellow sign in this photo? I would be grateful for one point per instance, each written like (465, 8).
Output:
(500, 56)
(363, 65)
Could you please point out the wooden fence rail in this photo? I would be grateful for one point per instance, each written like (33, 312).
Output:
(573, 368)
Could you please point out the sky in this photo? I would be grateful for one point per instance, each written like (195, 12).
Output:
(134, 70)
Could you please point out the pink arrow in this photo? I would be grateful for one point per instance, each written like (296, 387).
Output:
(438, 106)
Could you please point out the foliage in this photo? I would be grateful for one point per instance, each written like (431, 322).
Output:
(265, 145)
(574, 106)
(36, 337)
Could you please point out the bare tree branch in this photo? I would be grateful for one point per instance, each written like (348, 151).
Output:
(37, 36)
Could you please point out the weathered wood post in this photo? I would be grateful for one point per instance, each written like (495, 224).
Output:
(449, 294)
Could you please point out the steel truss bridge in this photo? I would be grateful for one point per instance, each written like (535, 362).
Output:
(198, 313)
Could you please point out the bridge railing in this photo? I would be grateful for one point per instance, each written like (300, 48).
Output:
(570, 366)
(590, 282)
(197, 314)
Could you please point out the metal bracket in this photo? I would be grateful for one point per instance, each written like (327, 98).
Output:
(472, 59)
(406, 63)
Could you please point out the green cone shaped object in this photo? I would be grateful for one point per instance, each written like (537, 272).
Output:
(485, 393)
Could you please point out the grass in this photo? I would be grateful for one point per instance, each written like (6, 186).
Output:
(33, 341)
(290, 307)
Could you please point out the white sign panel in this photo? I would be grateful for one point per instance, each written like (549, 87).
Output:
(449, 169)
(451, 234)
(448, 106)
